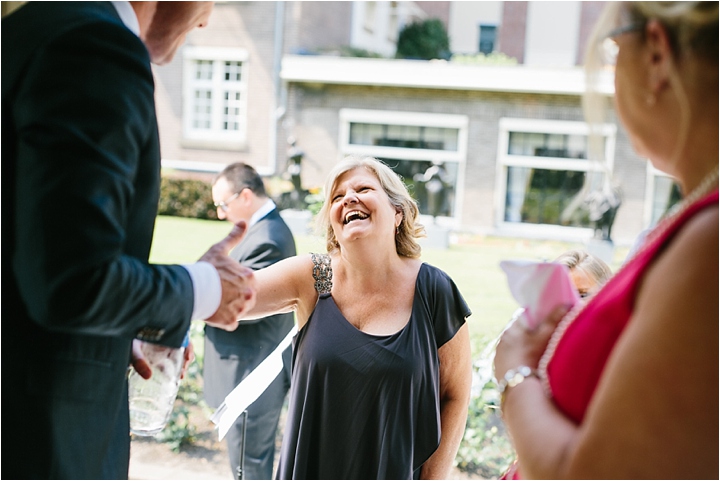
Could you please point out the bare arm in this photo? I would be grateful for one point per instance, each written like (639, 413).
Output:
(285, 286)
(655, 411)
(455, 381)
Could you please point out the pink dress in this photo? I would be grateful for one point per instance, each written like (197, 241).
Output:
(580, 355)
(580, 347)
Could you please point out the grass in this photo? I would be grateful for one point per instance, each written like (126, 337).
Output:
(472, 262)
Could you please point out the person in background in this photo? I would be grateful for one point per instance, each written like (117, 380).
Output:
(239, 195)
(587, 272)
(381, 364)
(80, 188)
(626, 385)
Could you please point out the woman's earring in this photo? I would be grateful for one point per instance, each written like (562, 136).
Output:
(397, 229)
(650, 99)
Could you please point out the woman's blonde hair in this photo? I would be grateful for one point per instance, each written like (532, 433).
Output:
(409, 230)
(591, 265)
(693, 31)
(692, 28)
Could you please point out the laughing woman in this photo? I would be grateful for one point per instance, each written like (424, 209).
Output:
(381, 364)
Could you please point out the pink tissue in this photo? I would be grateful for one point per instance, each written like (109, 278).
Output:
(539, 287)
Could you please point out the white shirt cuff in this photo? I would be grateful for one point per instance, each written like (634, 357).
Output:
(207, 290)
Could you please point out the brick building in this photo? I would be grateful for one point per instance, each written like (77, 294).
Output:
(510, 138)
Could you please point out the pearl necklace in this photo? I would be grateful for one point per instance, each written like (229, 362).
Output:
(706, 186)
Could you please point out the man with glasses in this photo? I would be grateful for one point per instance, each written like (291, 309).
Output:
(239, 194)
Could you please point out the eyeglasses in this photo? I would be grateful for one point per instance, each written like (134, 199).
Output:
(609, 46)
(225, 204)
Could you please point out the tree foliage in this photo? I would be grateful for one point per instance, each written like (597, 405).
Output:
(424, 40)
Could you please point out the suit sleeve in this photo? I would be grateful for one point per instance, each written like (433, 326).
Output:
(265, 246)
(262, 255)
(85, 114)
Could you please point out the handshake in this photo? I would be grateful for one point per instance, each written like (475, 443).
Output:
(237, 281)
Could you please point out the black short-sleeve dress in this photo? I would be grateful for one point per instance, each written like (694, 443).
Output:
(365, 406)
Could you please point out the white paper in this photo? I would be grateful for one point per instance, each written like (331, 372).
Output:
(250, 388)
(539, 287)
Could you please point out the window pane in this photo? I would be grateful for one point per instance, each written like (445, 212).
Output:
(202, 109)
(487, 39)
(232, 108)
(665, 195)
(433, 186)
(363, 134)
(404, 136)
(203, 69)
(233, 71)
(548, 145)
(539, 196)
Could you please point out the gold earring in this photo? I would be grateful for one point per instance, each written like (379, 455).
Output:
(650, 99)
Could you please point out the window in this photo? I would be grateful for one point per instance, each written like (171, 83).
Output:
(215, 97)
(662, 193)
(427, 150)
(542, 168)
(404, 136)
(488, 34)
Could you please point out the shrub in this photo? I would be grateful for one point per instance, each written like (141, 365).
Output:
(348, 51)
(424, 40)
(486, 449)
(186, 198)
(494, 58)
(179, 431)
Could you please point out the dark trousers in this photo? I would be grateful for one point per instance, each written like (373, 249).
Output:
(262, 423)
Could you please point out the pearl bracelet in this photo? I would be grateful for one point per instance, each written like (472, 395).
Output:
(514, 377)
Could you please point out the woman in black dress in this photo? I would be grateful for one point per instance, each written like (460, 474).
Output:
(381, 364)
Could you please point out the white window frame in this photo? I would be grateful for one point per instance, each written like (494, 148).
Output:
(215, 138)
(415, 119)
(504, 160)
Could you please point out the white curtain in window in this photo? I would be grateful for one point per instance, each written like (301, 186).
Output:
(518, 183)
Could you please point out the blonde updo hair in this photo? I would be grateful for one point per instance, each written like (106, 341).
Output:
(409, 231)
(692, 28)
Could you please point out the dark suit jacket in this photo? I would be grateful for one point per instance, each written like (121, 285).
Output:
(80, 185)
(266, 242)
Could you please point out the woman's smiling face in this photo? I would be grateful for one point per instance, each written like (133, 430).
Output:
(360, 207)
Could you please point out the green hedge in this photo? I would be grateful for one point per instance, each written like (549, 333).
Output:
(186, 198)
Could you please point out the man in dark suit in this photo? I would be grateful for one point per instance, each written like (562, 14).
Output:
(239, 194)
(80, 186)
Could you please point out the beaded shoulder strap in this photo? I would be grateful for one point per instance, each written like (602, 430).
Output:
(322, 273)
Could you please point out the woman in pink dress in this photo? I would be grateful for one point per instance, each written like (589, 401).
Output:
(626, 385)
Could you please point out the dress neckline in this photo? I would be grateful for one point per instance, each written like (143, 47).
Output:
(379, 337)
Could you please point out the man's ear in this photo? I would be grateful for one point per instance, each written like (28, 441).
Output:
(246, 195)
(660, 56)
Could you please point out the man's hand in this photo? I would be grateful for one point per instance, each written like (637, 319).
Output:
(139, 363)
(188, 357)
(238, 282)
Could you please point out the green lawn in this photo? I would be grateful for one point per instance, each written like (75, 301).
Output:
(473, 263)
